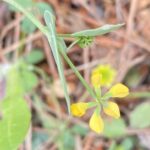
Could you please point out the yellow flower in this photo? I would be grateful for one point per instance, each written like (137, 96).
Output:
(119, 90)
(107, 73)
(96, 123)
(95, 79)
(79, 109)
(112, 110)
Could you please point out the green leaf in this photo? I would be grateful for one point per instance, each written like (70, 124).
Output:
(77, 129)
(27, 26)
(28, 79)
(42, 6)
(14, 124)
(128, 143)
(52, 38)
(67, 140)
(134, 78)
(24, 3)
(139, 117)
(114, 128)
(23, 79)
(38, 138)
(13, 79)
(35, 56)
(61, 44)
(98, 31)
(112, 146)
(119, 147)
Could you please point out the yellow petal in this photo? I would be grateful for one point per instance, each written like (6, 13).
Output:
(79, 109)
(96, 123)
(95, 79)
(119, 90)
(112, 110)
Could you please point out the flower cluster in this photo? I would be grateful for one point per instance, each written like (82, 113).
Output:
(102, 102)
(85, 41)
(103, 75)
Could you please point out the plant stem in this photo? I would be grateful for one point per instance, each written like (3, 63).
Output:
(78, 74)
(139, 95)
(71, 45)
(65, 35)
(92, 104)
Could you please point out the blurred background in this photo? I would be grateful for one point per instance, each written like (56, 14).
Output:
(127, 50)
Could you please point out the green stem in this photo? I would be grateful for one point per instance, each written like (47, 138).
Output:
(98, 94)
(92, 104)
(139, 95)
(71, 45)
(65, 35)
(78, 74)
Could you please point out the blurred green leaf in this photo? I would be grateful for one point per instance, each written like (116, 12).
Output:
(133, 78)
(35, 56)
(61, 44)
(29, 80)
(52, 38)
(15, 122)
(42, 6)
(24, 3)
(29, 15)
(139, 117)
(13, 80)
(127, 144)
(48, 121)
(38, 138)
(119, 147)
(68, 141)
(23, 79)
(27, 26)
(112, 146)
(98, 31)
(77, 129)
(114, 128)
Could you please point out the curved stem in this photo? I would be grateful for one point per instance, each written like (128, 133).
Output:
(71, 45)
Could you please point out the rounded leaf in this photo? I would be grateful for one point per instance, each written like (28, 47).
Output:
(114, 128)
(15, 122)
(139, 117)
